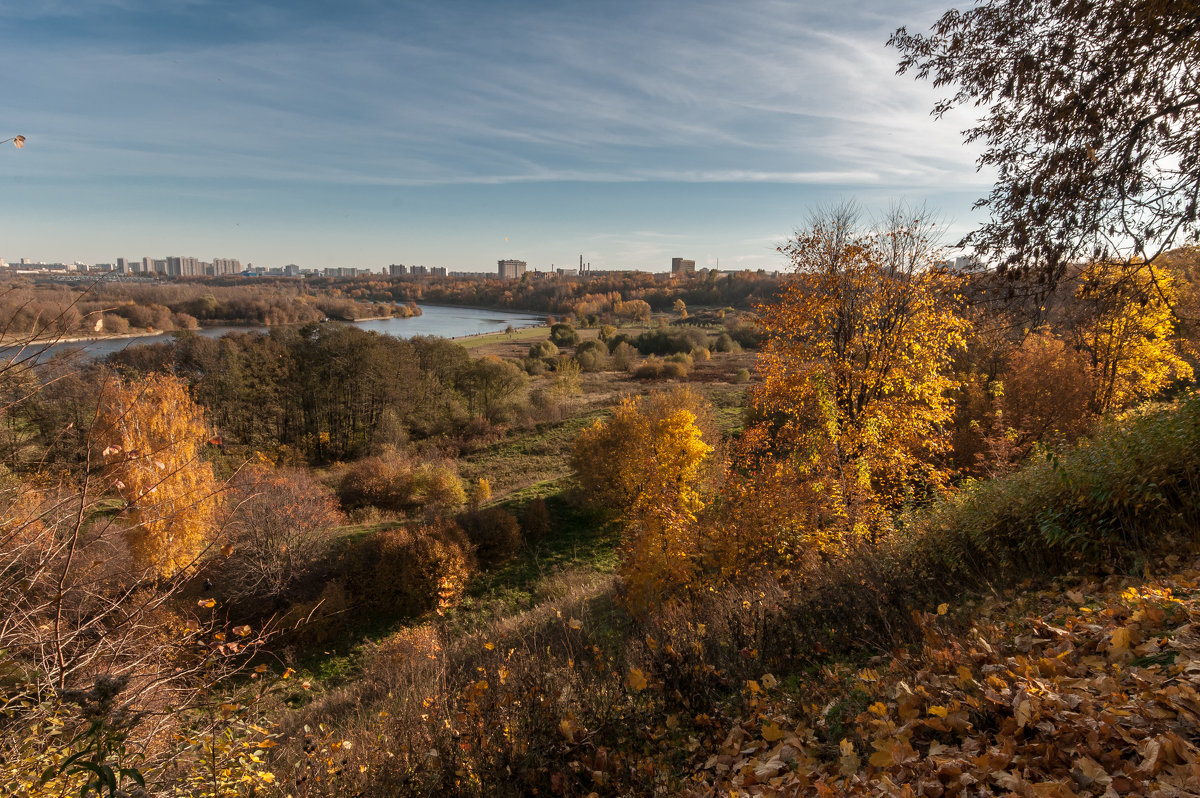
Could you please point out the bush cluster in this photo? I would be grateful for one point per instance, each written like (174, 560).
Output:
(394, 481)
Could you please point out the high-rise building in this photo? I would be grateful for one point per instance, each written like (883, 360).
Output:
(682, 266)
(510, 269)
(222, 266)
(397, 270)
(437, 271)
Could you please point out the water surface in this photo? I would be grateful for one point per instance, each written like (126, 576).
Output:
(443, 320)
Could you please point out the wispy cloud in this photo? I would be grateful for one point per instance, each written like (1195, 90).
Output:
(415, 95)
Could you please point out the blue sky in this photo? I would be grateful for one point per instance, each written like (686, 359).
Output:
(362, 133)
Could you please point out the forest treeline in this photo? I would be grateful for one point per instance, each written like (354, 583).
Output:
(598, 297)
(115, 308)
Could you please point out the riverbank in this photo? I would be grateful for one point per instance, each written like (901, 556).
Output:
(18, 341)
(447, 321)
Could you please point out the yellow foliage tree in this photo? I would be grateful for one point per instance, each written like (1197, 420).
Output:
(1128, 332)
(647, 461)
(850, 415)
(148, 435)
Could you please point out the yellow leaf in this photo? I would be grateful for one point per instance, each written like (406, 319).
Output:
(241, 631)
(1121, 639)
(943, 608)
(575, 623)
(1023, 714)
(771, 732)
(637, 680)
(753, 687)
(883, 757)
(868, 675)
(940, 711)
(568, 726)
(207, 603)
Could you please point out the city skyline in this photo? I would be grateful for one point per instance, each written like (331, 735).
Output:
(462, 133)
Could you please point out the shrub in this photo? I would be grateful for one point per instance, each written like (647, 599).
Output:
(545, 406)
(623, 356)
(278, 524)
(494, 532)
(607, 331)
(535, 521)
(592, 355)
(409, 570)
(741, 376)
(649, 369)
(745, 334)
(534, 366)
(394, 481)
(669, 341)
(543, 350)
(563, 335)
(621, 338)
(725, 343)
(674, 370)
(566, 379)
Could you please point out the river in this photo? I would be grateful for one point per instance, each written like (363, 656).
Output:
(442, 320)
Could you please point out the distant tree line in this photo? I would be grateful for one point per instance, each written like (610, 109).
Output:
(116, 308)
(602, 298)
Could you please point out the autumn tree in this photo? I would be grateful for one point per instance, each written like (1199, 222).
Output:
(1126, 327)
(648, 462)
(277, 528)
(493, 387)
(1046, 392)
(850, 415)
(148, 435)
(1090, 118)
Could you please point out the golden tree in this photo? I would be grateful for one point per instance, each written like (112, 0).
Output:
(148, 435)
(1128, 332)
(648, 462)
(850, 416)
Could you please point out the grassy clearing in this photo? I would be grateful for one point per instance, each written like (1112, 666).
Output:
(579, 541)
(524, 334)
(527, 458)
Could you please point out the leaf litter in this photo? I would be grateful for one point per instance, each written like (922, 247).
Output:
(1093, 691)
